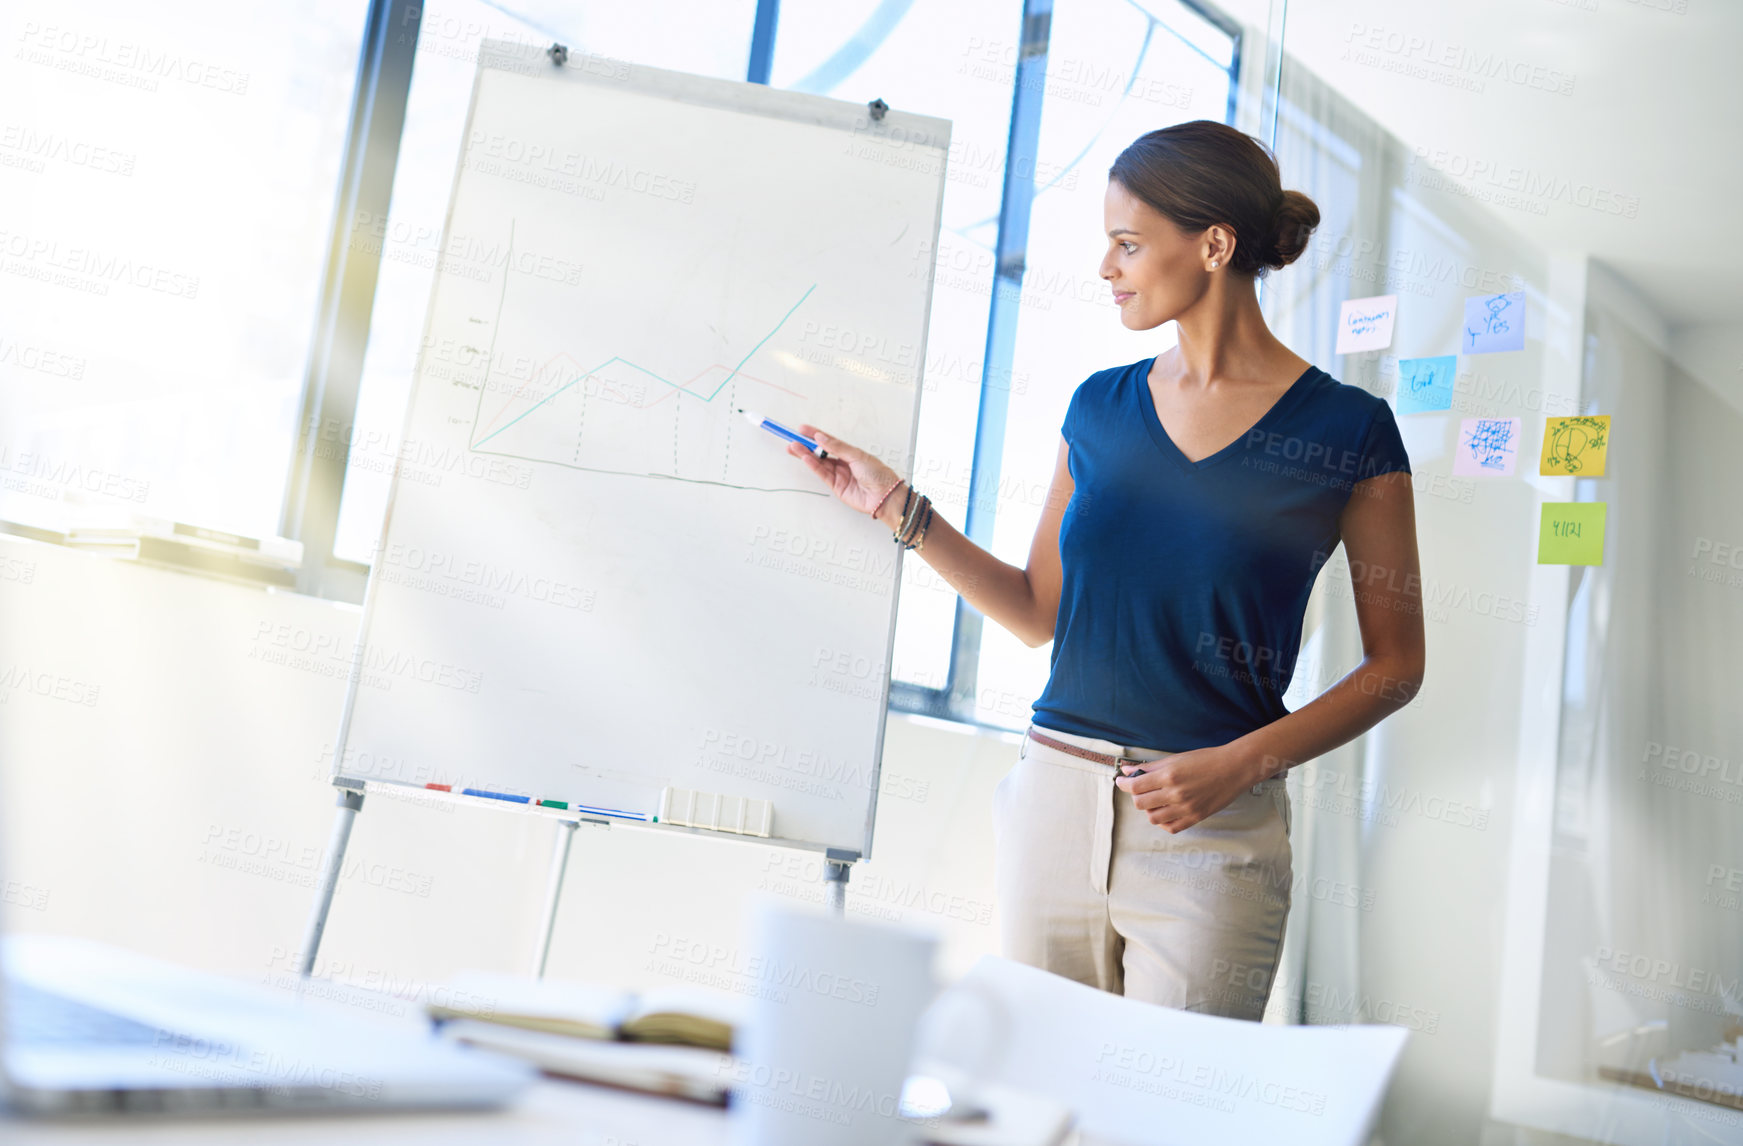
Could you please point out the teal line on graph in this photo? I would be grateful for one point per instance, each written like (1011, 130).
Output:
(649, 373)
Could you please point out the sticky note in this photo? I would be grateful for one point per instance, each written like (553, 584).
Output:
(1426, 384)
(1487, 447)
(1366, 323)
(1571, 533)
(1576, 446)
(1494, 322)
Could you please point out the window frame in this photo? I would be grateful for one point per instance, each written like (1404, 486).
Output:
(334, 370)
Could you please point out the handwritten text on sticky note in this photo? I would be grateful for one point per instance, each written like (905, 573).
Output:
(1426, 384)
(1366, 323)
(1494, 322)
(1571, 533)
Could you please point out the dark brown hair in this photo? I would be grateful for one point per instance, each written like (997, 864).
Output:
(1204, 172)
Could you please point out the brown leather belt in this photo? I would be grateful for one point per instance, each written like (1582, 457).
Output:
(1108, 758)
(1113, 761)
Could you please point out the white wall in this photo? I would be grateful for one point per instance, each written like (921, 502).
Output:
(173, 798)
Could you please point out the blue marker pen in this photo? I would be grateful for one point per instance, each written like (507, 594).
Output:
(779, 430)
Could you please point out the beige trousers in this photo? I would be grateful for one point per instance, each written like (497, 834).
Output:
(1088, 888)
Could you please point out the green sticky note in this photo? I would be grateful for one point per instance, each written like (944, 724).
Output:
(1571, 533)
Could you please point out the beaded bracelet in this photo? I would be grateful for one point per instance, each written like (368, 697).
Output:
(886, 497)
(913, 524)
(925, 524)
(910, 510)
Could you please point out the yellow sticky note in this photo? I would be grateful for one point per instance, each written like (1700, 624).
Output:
(1571, 533)
(1576, 447)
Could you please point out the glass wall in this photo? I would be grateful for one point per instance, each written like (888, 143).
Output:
(1543, 845)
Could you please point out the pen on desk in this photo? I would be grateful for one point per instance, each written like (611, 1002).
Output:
(779, 430)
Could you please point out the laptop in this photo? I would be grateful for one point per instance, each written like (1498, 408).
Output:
(87, 1028)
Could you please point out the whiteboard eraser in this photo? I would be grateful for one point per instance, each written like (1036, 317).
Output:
(740, 815)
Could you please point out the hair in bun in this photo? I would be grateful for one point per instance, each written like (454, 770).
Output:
(1204, 172)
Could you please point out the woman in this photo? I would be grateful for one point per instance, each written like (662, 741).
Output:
(1143, 835)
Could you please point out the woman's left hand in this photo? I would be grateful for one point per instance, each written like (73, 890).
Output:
(1180, 790)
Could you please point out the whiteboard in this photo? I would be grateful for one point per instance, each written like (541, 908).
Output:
(595, 580)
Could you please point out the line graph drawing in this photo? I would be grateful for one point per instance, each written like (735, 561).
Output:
(619, 415)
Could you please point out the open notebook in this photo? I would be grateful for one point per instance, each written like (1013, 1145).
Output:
(681, 1015)
(694, 1073)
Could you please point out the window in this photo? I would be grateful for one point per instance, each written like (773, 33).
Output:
(1115, 70)
(167, 174)
(954, 59)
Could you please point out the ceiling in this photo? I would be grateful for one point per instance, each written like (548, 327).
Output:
(1653, 113)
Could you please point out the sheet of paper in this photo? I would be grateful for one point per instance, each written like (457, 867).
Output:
(1426, 384)
(1366, 323)
(1576, 447)
(1494, 322)
(1136, 1072)
(1487, 447)
(1571, 533)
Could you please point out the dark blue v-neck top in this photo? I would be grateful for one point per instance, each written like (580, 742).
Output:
(1185, 583)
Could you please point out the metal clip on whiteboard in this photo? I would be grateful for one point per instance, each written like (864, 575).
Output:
(742, 815)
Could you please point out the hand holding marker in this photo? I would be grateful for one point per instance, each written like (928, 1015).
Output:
(860, 480)
(779, 430)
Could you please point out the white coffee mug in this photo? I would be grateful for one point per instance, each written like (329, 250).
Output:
(827, 1047)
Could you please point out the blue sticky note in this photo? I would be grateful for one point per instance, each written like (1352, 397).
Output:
(1426, 384)
(1494, 322)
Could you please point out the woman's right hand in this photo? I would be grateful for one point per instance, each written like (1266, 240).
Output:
(856, 477)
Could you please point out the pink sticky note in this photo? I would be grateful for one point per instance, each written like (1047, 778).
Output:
(1488, 447)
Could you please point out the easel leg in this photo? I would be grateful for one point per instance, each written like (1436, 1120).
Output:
(835, 873)
(553, 893)
(350, 801)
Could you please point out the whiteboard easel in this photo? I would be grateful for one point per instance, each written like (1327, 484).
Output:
(572, 160)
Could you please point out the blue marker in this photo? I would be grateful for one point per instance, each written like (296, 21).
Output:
(779, 430)
(642, 816)
(496, 795)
